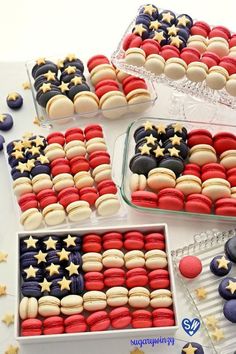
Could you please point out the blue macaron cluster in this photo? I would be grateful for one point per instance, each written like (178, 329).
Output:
(159, 146)
(51, 265)
(163, 26)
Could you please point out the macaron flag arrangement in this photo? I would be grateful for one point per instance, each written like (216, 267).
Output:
(176, 169)
(62, 177)
(161, 42)
(94, 282)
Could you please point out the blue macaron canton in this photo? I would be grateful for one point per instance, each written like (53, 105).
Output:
(227, 288)
(193, 347)
(229, 310)
(14, 100)
(6, 122)
(220, 266)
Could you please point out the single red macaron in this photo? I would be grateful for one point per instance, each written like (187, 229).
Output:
(224, 141)
(141, 319)
(163, 317)
(93, 131)
(53, 325)
(190, 55)
(150, 46)
(154, 240)
(229, 63)
(56, 137)
(59, 166)
(31, 327)
(92, 243)
(78, 164)
(199, 136)
(68, 195)
(192, 169)
(159, 279)
(93, 281)
(170, 199)
(133, 240)
(75, 324)
(169, 51)
(198, 203)
(136, 277)
(74, 134)
(231, 176)
(232, 41)
(220, 31)
(97, 60)
(213, 170)
(98, 321)
(201, 28)
(28, 201)
(89, 194)
(105, 86)
(112, 240)
(97, 158)
(131, 40)
(46, 197)
(225, 206)
(210, 59)
(144, 199)
(120, 317)
(132, 83)
(107, 186)
(190, 266)
(114, 277)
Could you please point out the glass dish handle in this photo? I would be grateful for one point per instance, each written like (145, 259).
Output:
(117, 159)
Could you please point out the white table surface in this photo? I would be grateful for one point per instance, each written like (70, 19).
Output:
(28, 37)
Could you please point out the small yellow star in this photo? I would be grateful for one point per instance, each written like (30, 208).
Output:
(34, 150)
(12, 96)
(183, 21)
(53, 269)
(60, 64)
(18, 154)
(45, 87)
(161, 129)
(42, 159)
(173, 30)
(40, 61)
(176, 140)
(148, 125)
(77, 80)
(71, 57)
(149, 9)
(173, 152)
(190, 349)
(30, 164)
(3, 290)
(64, 87)
(41, 257)
(18, 145)
(201, 293)
(139, 29)
(155, 25)
(158, 36)
(72, 269)
(8, 319)
(27, 143)
(50, 75)
(177, 127)
(31, 242)
(145, 149)
(30, 272)
(39, 141)
(211, 322)
(22, 167)
(45, 285)
(63, 254)
(176, 41)
(70, 69)
(2, 117)
(50, 243)
(151, 139)
(36, 121)
(3, 256)
(64, 284)
(159, 151)
(223, 262)
(217, 335)
(26, 85)
(231, 286)
(167, 17)
(70, 241)
(27, 135)
(12, 350)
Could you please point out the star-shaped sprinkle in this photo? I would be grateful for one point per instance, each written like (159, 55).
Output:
(45, 87)
(22, 167)
(71, 57)
(70, 69)
(36, 121)
(50, 75)
(148, 125)
(167, 17)
(201, 293)
(41, 257)
(63, 254)
(53, 269)
(64, 87)
(18, 145)
(175, 140)
(217, 335)
(26, 85)
(39, 141)
(27, 135)
(27, 144)
(177, 127)
(50, 243)
(70, 241)
(149, 9)
(174, 152)
(150, 139)
(64, 284)
(77, 80)
(139, 29)
(158, 36)
(17, 154)
(3, 256)
(30, 164)
(3, 290)
(34, 150)
(159, 151)
(176, 41)
(211, 322)
(31, 242)
(223, 263)
(161, 129)
(12, 350)
(60, 64)
(155, 25)
(30, 272)
(173, 30)
(231, 286)
(40, 61)
(45, 285)
(183, 21)
(72, 269)
(42, 159)
(2, 117)
(190, 349)
(8, 319)
(12, 96)
(145, 149)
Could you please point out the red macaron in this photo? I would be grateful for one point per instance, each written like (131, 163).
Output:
(224, 141)
(133, 240)
(232, 41)
(75, 324)
(92, 243)
(46, 197)
(220, 31)
(93, 131)
(190, 55)
(150, 46)
(78, 164)
(198, 203)
(201, 28)
(53, 325)
(229, 63)
(31, 327)
(213, 170)
(163, 317)
(98, 321)
(120, 317)
(190, 266)
(231, 176)
(141, 319)
(225, 206)
(131, 40)
(89, 194)
(56, 137)
(74, 134)
(159, 279)
(170, 199)
(59, 166)
(210, 59)
(97, 60)
(112, 240)
(199, 136)
(28, 201)
(97, 158)
(169, 51)
(192, 169)
(154, 240)
(114, 277)
(132, 83)
(144, 199)
(93, 281)
(107, 186)
(136, 277)
(68, 195)
(105, 86)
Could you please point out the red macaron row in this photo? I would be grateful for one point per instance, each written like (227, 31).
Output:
(118, 318)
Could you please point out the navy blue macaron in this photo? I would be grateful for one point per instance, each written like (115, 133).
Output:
(141, 30)
(177, 41)
(67, 76)
(144, 19)
(13, 162)
(175, 129)
(75, 258)
(159, 35)
(52, 257)
(11, 146)
(73, 61)
(227, 288)
(14, 100)
(59, 273)
(28, 258)
(72, 243)
(40, 168)
(2, 141)
(193, 347)
(40, 80)
(43, 97)
(184, 21)
(229, 310)
(36, 274)
(142, 164)
(179, 145)
(74, 89)
(43, 69)
(6, 122)
(29, 243)
(230, 249)
(168, 17)
(77, 284)
(55, 289)
(142, 142)
(220, 266)
(38, 141)
(51, 243)
(145, 130)
(15, 173)
(150, 10)
(174, 163)
(31, 289)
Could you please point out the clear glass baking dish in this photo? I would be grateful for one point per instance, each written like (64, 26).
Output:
(126, 141)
